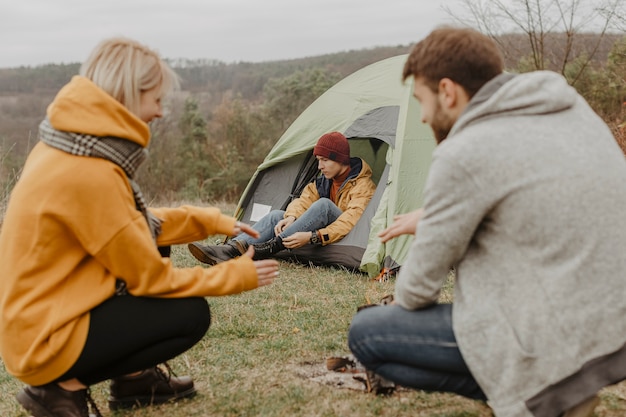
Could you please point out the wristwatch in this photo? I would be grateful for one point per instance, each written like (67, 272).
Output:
(315, 239)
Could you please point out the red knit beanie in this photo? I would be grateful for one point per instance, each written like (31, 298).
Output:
(333, 146)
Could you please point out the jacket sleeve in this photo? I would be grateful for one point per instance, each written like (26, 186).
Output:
(189, 223)
(119, 240)
(357, 199)
(301, 204)
(125, 249)
(132, 256)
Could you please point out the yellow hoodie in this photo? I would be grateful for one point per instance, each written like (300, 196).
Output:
(71, 228)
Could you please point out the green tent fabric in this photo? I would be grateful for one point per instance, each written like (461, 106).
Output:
(378, 114)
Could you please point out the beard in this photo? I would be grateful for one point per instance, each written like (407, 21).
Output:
(441, 124)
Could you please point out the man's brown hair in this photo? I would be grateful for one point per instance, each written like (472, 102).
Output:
(463, 55)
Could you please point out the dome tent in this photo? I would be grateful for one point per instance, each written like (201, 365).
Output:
(381, 119)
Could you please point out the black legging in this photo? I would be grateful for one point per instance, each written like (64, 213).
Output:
(128, 334)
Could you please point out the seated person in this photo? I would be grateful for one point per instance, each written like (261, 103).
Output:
(325, 212)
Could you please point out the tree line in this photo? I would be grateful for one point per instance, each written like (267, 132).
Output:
(226, 117)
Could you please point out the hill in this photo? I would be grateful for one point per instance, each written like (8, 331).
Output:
(25, 92)
(252, 103)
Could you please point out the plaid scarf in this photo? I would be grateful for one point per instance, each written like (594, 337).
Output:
(122, 152)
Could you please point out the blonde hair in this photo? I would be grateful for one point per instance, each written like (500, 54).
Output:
(124, 68)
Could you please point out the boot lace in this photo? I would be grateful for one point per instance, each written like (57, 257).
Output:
(269, 247)
(264, 246)
(166, 376)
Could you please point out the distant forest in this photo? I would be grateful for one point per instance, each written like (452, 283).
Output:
(26, 91)
(242, 108)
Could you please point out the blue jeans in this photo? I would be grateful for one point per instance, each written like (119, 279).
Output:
(415, 349)
(321, 213)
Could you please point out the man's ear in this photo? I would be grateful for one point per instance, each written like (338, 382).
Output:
(447, 92)
(452, 95)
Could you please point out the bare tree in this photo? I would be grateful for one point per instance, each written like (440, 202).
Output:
(557, 32)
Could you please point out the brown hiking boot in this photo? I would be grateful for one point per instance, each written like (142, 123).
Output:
(268, 249)
(51, 400)
(152, 386)
(214, 254)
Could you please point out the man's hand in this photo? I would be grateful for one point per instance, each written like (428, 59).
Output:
(283, 224)
(403, 224)
(297, 240)
(245, 228)
(266, 269)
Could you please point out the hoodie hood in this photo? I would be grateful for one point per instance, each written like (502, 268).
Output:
(533, 93)
(83, 107)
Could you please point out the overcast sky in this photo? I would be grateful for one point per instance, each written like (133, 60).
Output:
(35, 32)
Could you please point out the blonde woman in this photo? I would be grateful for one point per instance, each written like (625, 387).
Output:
(86, 294)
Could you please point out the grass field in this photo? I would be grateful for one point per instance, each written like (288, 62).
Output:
(255, 357)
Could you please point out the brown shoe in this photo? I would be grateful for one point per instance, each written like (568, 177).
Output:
(214, 254)
(584, 409)
(51, 400)
(152, 386)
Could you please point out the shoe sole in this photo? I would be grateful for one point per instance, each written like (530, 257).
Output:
(584, 409)
(144, 400)
(32, 405)
(200, 255)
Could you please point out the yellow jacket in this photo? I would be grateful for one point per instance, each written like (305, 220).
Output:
(352, 198)
(71, 228)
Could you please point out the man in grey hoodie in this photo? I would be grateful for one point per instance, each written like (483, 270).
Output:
(524, 199)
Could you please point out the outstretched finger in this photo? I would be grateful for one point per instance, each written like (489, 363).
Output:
(246, 228)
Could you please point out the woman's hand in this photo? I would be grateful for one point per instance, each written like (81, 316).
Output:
(245, 228)
(266, 269)
(403, 224)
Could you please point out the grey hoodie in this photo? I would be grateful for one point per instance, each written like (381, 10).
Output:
(526, 199)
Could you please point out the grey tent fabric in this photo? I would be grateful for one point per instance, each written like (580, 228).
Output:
(380, 123)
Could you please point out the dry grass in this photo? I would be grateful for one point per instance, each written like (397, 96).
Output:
(250, 361)
(247, 364)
